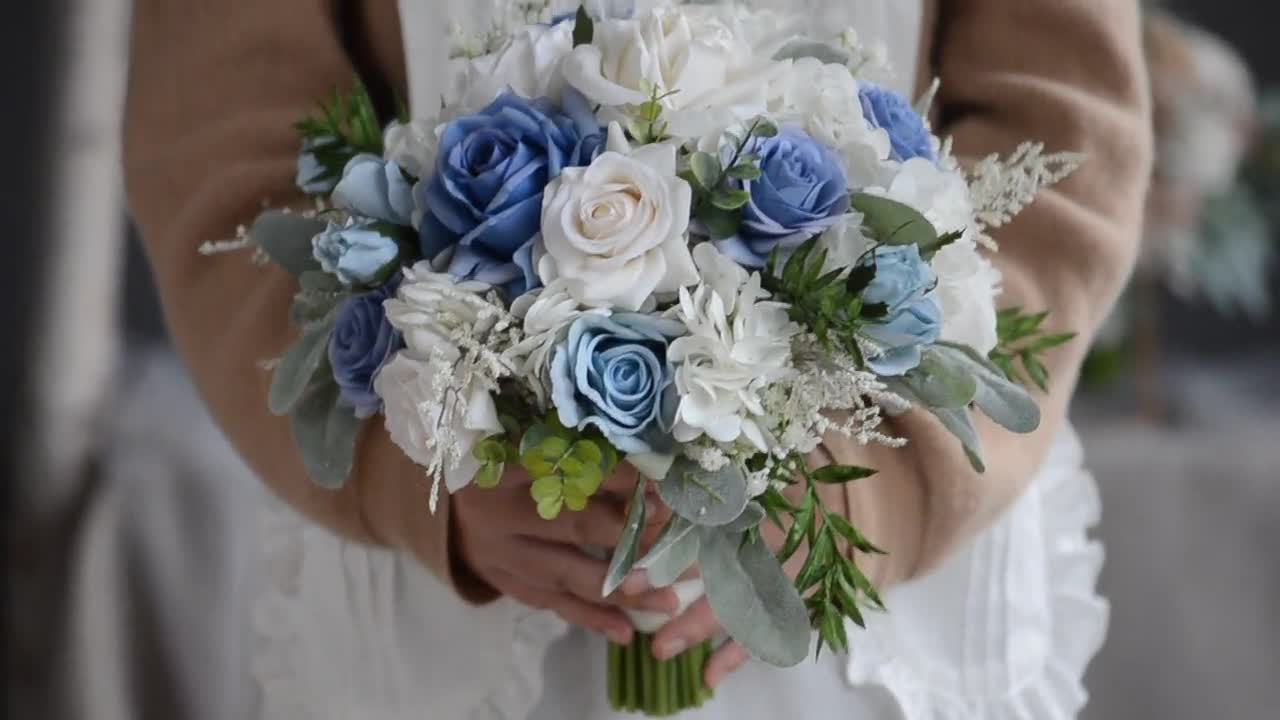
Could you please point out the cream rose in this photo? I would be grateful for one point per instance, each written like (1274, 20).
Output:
(614, 231)
(711, 74)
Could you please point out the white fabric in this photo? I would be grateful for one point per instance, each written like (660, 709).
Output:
(1002, 631)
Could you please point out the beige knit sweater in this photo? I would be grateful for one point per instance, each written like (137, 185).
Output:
(216, 84)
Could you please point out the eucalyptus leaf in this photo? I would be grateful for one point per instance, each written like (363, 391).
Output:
(675, 551)
(286, 239)
(1006, 403)
(893, 223)
(325, 432)
(702, 497)
(297, 369)
(753, 598)
(943, 380)
(824, 52)
(706, 169)
(624, 555)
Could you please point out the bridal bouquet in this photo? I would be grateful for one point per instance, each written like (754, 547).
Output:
(691, 239)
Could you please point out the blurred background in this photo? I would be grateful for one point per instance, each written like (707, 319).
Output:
(132, 543)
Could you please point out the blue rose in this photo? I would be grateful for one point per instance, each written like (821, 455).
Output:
(612, 373)
(887, 110)
(374, 188)
(484, 202)
(361, 343)
(904, 285)
(802, 190)
(358, 252)
(313, 177)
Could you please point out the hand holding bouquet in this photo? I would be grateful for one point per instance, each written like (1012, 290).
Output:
(691, 240)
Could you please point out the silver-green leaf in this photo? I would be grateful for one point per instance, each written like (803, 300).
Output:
(326, 436)
(1007, 403)
(957, 421)
(751, 517)
(702, 497)
(675, 551)
(286, 239)
(942, 380)
(753, 598)
(297, 369)
(624, 555)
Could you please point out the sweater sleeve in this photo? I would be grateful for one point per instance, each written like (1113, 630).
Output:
(214, 89)
(1068, 73)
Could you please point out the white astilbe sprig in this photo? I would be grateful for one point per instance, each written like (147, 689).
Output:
(438, 392)
(1001, 188)
(829, 394)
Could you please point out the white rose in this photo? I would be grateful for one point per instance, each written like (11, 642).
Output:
(737, 346)
(529, 64)
(410, 389)
(712, 76)
(967, 287)
(614, 231)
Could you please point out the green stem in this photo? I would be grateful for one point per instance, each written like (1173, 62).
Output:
(638, 682)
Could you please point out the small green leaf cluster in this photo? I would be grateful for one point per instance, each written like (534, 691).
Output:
(717, 199)
(833, 586)
(648, 126)
(827, 304)
(345, 125)
(567, 466)
(1022, 341)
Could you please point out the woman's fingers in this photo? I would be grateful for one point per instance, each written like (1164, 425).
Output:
(607, 621)
(725, 660)
(562, 568)
(697, 624)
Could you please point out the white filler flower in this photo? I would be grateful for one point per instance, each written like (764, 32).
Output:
(738, 345)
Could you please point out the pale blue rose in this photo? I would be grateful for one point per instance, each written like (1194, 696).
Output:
(889, 111)
(313, 178)
(358, 252)
(903, 285)
(374, 188)
(802, 190)
(612, 373)
(483, 204)
(362, 342)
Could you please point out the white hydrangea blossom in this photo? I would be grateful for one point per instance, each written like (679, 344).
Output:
(738, 345)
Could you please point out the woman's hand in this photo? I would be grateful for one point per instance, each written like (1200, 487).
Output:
(503, 541)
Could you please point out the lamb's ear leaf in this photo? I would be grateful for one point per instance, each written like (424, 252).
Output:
(325, 432)
(753, 598)
(298, 369)
(1007, 403)
(624, 555)
(675, 551)
(286, 239)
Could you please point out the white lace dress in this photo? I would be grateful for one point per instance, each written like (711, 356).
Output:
(1002, 631)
